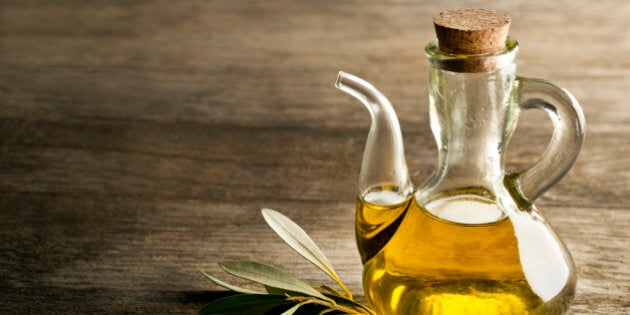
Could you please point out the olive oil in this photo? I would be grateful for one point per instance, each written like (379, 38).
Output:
(378, 216)
(457, 255)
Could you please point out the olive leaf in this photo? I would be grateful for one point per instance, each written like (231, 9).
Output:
(229, 286)
(245, 304)
(327, 288)
(285, 293)
(298, 240)
(340, 300)
(269, 276)
(292, 310)
(273, 290)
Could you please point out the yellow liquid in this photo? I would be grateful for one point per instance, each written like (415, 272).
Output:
(430, 265)
(375, 224)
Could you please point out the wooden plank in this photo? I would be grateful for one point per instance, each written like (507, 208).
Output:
(138, 141)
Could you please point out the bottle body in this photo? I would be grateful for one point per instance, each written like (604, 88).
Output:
(469, 240)
(437, 262)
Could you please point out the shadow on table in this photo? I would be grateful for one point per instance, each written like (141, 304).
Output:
(202, 297)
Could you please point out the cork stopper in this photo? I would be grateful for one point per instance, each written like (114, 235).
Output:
(471, 31)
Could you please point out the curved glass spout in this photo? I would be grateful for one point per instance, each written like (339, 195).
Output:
(384, 157)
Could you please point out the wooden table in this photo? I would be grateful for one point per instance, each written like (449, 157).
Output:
(138, 140)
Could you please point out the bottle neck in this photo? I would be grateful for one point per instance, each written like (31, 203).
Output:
(472, 118)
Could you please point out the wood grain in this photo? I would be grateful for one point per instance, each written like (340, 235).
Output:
(138, 140)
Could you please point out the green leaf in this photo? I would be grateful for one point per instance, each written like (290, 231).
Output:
(229, 286)
(273, 290)
(314, 309)
(332, 291)
(244, 304)
(292, 310)
(279, 291)
(348, 302)
(296, 238)
(269, 276)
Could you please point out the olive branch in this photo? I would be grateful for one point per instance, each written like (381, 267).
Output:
(285, 294)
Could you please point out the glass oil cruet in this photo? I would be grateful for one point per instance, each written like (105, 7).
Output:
(469, 240)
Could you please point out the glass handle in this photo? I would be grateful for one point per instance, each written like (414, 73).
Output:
(568, 135)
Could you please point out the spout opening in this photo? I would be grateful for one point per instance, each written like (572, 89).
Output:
(362, 90)
(340, 77)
